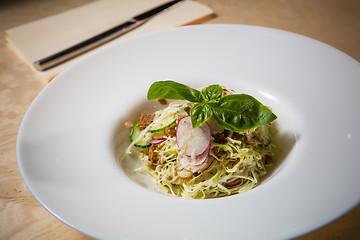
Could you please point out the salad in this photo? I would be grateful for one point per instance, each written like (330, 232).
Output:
(211, 143)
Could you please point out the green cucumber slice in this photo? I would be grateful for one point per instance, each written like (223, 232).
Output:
(264, 130)
(157, 127)
(135, 133)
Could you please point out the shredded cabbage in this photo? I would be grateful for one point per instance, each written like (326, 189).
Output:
(240, 160)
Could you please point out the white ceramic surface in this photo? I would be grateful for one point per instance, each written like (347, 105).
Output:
(66, 143)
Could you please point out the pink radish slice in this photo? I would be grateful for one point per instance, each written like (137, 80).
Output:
(194, 161)
(192, 141)
(209, 161)
(204, 166)
(199, 168)
(155, 141)
(234, 183)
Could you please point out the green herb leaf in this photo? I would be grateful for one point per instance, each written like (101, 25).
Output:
(241, 112)
(200, 113)
(212, 93)
(235, 112)
(173, 90)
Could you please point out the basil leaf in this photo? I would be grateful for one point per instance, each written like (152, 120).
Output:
(212, 93)
(236, 112)
(173, 90)
(200, 113)
(241, 112)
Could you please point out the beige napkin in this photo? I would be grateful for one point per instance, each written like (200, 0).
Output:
(41, 38)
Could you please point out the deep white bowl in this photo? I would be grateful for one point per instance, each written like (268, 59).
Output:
(66, 145)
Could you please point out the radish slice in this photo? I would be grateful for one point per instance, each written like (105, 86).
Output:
(200, 168)
(194, 161)
(155, 141)
(207, 164)
(234, 183)
(191, 141)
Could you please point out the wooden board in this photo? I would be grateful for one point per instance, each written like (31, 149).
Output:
(335, 22)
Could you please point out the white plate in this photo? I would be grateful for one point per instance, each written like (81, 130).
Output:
(66, 143)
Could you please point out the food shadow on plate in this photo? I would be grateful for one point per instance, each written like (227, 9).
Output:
(284, 139)
(286, 142)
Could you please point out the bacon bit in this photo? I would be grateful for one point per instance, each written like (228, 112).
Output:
(251, 143)
(215, 151)
(162, 101)
(155, 163)
(219, 138)
(151, 153)
(161, 145)
(238, 136)
(268, 159)
(262, 143)
(171, 132)
(145, 120)
(226, 132)
(187, 110)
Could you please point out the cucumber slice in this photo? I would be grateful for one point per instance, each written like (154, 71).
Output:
(135, 133)
(264, 130)
(161, 125)
(261, 136)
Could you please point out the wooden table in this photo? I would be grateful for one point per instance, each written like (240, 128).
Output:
(335, 22)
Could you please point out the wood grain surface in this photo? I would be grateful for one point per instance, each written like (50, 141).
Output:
(335, 22)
